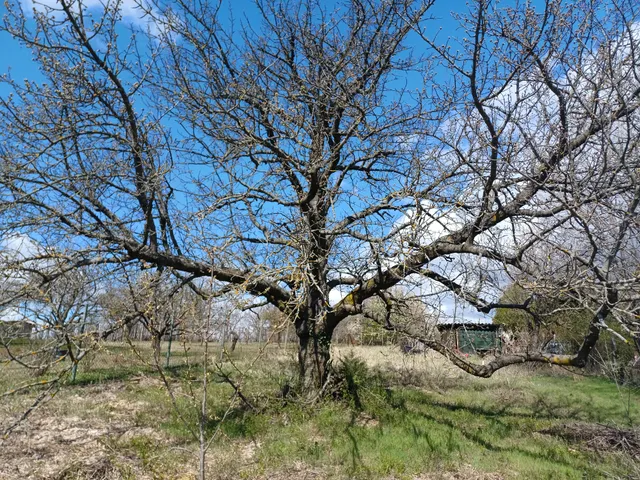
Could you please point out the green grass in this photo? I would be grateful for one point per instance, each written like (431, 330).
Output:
(404, 432)
(450, 423)
(490, 425)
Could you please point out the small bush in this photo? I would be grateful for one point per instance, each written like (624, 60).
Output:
(352, 376)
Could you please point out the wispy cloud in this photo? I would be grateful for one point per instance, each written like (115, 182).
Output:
(133, 12)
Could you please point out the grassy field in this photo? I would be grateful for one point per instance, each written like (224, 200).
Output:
(393, 417)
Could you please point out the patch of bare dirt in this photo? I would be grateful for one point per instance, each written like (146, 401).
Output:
(299, 471)
(366, 420)
(54, 444)
(47, 446)
(249, 450)
(147, 382)
(466, 472)
(602, 438)
(101, 468)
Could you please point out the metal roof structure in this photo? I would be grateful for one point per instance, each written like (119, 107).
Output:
(491, 327)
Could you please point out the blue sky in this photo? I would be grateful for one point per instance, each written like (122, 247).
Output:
(17, 60)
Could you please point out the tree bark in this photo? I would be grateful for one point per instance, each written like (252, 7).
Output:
(314, 358)
(234, 341)
(155, 345)
(314, 354)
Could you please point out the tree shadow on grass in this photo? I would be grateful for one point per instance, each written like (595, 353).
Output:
(239, 422)
(356, 458)
(447, 429)
(490, 416)
(119, 374)
(540, 409)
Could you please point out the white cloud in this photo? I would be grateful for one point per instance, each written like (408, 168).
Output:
(335, 296)
(11, 314)
(134, 12)
(17, 247)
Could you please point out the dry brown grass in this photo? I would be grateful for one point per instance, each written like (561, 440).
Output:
(390, 356)
(68, 437)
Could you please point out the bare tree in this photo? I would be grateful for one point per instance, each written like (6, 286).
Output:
(59, 315)
(56, 331)
(304, 158)
(156, 300)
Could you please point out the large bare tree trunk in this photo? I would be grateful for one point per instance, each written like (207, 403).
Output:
(314, 358)
(314, 346)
